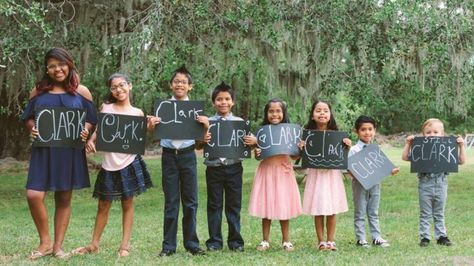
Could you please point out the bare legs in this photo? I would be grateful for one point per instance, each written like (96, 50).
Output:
(40, 217)
(39, 214)
(101, 219)
(330, 226)
(62, 200)
(285, 229)
(127, 222)
(103, 207)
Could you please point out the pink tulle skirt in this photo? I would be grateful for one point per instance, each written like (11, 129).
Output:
(275, 193)
(324, 193)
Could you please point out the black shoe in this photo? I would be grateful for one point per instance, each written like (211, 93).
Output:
(424, 242)
(444, 240)
(166, 253)
(213, 248)
(238, 249)
(196, 252)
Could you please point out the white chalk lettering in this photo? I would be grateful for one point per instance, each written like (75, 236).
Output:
(62, 124)
(177, 116)
(119, 130)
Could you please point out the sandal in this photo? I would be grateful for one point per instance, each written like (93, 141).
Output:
(36, 254)
(323, 246)
(264, 245)
(85, 250)
(287, 246)
(331, 246)
(62, 255)
(123, 252)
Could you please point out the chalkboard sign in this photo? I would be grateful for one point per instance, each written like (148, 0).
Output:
(278, 139)
(121, 133)
(60, 127)
(324, 150)
(178, 119)
(370, 165)
(434, 155)
(227, 140)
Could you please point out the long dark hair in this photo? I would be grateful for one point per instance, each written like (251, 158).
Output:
(312, 124)
(109, 98)
(283, 108)
(72, 80)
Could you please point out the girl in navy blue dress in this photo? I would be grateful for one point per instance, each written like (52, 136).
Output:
(58, 169)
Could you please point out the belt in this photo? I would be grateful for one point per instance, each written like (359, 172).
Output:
(179, 151)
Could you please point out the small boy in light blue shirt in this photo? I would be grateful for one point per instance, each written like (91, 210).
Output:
(366, 201)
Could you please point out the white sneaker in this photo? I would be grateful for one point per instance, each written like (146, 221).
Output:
(381, 242)
(362, 243)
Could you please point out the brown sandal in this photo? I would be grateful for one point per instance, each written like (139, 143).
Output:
(62, 255)
(84, 250)
(36, 254)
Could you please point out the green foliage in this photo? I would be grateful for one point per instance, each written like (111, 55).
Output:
(398, 61)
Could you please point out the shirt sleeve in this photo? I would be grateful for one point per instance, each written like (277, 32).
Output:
(29, 112)
(91, 116)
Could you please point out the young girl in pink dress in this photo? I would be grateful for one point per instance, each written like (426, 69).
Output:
(324, 194)
(275, 194)
(122, 175)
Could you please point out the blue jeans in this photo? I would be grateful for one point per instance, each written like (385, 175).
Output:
(224, 182)
(179, 182)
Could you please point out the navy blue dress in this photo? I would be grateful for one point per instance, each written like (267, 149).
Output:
(58, 168)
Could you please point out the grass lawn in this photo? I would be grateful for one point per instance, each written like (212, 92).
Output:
(398, 217)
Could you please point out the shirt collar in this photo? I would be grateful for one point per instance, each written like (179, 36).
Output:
(229, 116)
(361, 143)
(185, 98)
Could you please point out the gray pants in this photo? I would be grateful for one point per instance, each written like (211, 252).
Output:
(366, 202)
(432, 193)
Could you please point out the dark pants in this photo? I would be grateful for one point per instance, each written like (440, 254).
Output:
(179, 180)
(224, 180)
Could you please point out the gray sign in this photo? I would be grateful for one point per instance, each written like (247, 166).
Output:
(324, 150)
(121, 133)
(278, 139)
(227, 140)
(370, 166)
(434, 155)
(60, 127)
(178, 119)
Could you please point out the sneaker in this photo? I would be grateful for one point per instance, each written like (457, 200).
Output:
(264, 245)
(362, 243)
(444, 240)
(381, 242)
(424, 242)
(287, 246)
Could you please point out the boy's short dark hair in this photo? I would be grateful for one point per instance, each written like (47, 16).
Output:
(182, 70)
(364, 119)
(222, 88)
